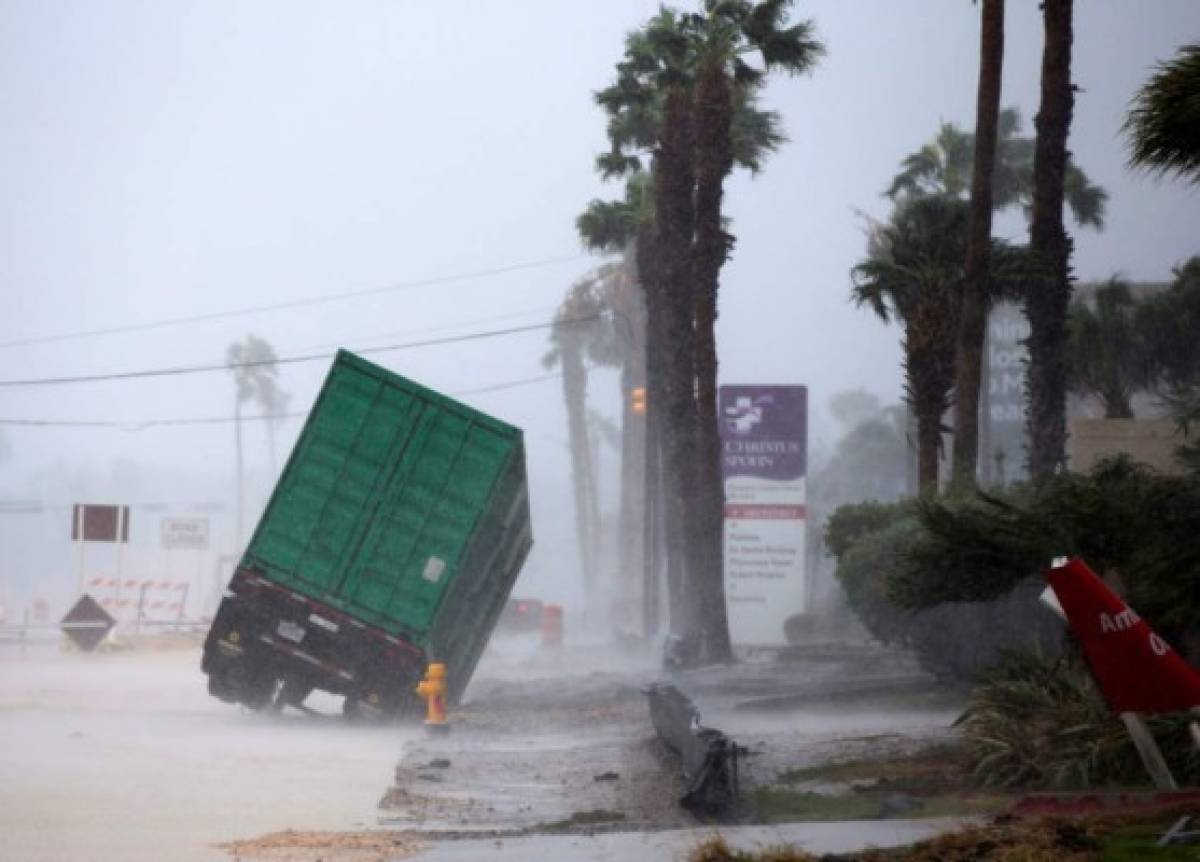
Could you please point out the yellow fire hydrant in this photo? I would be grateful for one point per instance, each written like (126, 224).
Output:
(433, 689)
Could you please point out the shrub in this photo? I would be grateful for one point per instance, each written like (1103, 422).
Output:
(1037, 722)
(953, 640)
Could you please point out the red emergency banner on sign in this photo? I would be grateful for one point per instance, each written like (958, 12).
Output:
(1136, 669)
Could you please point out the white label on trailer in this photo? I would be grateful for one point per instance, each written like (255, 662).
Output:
(328, 625)
(290, 630)
(433, 569)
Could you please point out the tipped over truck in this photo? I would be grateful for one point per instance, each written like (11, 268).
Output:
(392, 539)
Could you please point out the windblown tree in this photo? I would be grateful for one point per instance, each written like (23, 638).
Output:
(255, 378)
(1106, 352)
(1046, 305)
(1164, 123)
(914, 273)
(1167, 323)
(686, 96)
(947, 166)
(626, 226)
(581, 332)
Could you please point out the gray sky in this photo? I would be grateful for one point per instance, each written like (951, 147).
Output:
(176, 158)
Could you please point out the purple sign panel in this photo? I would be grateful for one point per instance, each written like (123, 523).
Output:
(764, 431)
(764, 439)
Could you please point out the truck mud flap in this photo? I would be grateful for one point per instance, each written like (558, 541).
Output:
(709, 757)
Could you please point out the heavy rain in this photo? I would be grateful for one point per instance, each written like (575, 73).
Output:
(703, 430)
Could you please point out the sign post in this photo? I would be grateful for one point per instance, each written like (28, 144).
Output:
(764, 442)
(92, 522)
(1136, 669)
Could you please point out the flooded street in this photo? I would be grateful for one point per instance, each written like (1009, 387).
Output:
(126, 757)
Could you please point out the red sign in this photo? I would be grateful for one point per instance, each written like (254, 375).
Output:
(1136, 669)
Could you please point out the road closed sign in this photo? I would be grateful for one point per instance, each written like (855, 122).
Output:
(764, 441)
(191, 533)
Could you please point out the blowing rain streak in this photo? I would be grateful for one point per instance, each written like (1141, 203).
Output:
(708, 430)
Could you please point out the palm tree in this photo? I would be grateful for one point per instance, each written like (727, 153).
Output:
(685, 94)
(914, 273)
(1164, 123)
(724, 38)
(1105, 350)
(969, 354)
(571, 342)
(945, 166)
(627, 227)
(255, 377)
(1046, 307)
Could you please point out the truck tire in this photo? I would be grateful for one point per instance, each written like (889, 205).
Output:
(220, 689)
(254, 690)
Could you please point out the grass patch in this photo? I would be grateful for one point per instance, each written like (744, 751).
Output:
(778, 804)
(938, 768)
(1136, 843)
(1109, 838)
(775, 804)
(716, 849)
(581, 820)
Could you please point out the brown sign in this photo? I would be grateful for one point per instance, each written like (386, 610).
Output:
(91, 522)
(87, 623)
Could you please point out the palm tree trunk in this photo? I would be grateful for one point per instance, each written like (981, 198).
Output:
(929, 440)
(662, 530)
(1046, 307)
(575, 395)
(969, 356)
(674, 185)
(632, 513)
(714, 161)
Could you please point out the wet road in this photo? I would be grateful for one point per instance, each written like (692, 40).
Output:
(126, 757)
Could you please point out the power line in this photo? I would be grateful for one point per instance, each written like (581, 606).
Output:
(289, 360)
(295, 303)
(134, 425)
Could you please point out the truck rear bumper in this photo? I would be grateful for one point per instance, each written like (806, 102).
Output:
(265, 634)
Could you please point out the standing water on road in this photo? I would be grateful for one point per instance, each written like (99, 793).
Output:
(125, 756)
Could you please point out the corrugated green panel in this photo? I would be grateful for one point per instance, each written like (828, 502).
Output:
(381, 503)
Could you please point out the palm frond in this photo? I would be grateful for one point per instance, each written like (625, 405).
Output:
(1164, 123)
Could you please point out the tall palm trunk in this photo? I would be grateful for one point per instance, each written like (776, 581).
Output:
(656, 520)
(674, 183)
(929, 368)
(714, 161)
(631, 334)
(1046, 306)
(968, 366)
(575, 396)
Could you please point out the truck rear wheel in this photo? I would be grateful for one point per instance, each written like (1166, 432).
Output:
(220, 689)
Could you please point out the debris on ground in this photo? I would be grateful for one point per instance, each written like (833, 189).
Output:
(295, 846)
(709, 757)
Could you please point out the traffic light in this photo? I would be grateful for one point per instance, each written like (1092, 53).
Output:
(639, 400)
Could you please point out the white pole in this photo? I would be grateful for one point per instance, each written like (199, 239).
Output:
(1148, 749)
(79, 507)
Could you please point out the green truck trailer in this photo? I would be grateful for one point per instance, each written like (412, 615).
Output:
(392, 539)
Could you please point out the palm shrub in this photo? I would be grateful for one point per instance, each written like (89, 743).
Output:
(1135, 527)
(1034, 721)
(873, 543)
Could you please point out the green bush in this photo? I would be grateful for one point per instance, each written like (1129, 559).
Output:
(954, 641)
(1133, 526)
(1042, 723)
